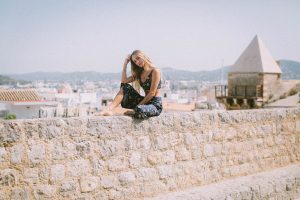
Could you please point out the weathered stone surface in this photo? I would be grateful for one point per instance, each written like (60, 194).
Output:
(182, 154)
(57, 173)
(88, 184)
(122, 158)
(10, 133)
(19, 194)
(8, 177)
(108, 182)
(3, 154)
(168, 157)
(69, 187)
(50, 132)
(165, 171)
(148, 174)
(154, 157)
(44, 192)
(37, 153)
(126, 178)
(17, 153)
(98, 166)
(79, 167)
(144, 142)
(135, 160)
(116, 164)
(209, 150)
(31, 175)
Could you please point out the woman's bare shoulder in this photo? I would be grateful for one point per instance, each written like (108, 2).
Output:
(156, 69)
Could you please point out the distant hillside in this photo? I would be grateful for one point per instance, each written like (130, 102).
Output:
(5, 80)
(168, 73)
(72, 76)
(213, 75)
(290, 69)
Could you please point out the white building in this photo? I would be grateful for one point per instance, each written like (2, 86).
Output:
(23, 103)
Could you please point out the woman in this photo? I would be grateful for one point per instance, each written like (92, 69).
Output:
(143, 74)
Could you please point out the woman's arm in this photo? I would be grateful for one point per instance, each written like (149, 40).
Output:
(126, 79)
(153, 88)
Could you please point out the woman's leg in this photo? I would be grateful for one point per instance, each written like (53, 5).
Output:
(117, 100)
(154, 108)
(127, 96)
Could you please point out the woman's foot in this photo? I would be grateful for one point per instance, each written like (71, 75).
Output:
(106, 112)
(129, 112)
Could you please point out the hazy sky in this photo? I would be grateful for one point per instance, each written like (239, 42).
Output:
(85, 35)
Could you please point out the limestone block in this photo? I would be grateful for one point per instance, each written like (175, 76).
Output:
(49, 132)
(98, 166)
(126, 178)
(19, 194)
(101, 196)
(298, 126)
(108, 148)
(279, 139)
(115, 194)
(160, 142)
(3, 154)
(37, 153)
(57, 173)
(17, 154)
(84, 148)
(144, 142)
(8, 177)
(154, 157)
(148, 174)
(69, 187)
(10, 133)
(165, 171)
(130, 143)
(44, 174)
(189, 139)
(182, 154)
(208, 150)
(168, 157)
(230, 134)
(108, 182)
(88, 184)
(135, 159)
(44, 191)
(31, 175)
(116, 164)
(57, 151)
(78, 167)
(196, 152)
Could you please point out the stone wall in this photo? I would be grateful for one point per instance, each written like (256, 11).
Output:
(123, 158)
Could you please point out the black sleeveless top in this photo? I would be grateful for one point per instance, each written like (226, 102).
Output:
(147, 84)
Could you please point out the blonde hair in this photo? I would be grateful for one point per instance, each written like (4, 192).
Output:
(136, 71)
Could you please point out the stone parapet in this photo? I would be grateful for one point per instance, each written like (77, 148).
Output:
(119, 157)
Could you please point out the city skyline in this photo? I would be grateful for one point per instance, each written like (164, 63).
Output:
(68, 36)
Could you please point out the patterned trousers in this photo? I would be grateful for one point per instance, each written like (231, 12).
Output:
(132, 98)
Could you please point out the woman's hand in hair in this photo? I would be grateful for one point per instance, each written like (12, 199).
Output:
(127, 59)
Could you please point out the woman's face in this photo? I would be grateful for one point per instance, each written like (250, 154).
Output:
(138, 60)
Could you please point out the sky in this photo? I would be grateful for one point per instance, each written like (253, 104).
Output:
(96, 35)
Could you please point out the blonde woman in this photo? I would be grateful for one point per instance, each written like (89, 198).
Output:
(143, 74)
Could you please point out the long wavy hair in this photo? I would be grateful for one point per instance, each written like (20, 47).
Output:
(136, 71)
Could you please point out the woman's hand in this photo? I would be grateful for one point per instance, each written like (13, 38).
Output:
(127, 59)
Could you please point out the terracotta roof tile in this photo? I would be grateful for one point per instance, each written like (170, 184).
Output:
(19, 95)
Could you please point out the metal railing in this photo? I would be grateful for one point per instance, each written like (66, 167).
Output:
(239, 91)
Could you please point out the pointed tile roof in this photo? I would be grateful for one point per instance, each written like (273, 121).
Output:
(19, 95)
(256, 58)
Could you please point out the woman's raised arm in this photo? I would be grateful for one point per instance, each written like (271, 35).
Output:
(126, 79)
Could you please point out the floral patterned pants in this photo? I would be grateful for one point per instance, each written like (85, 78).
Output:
(132, 98)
